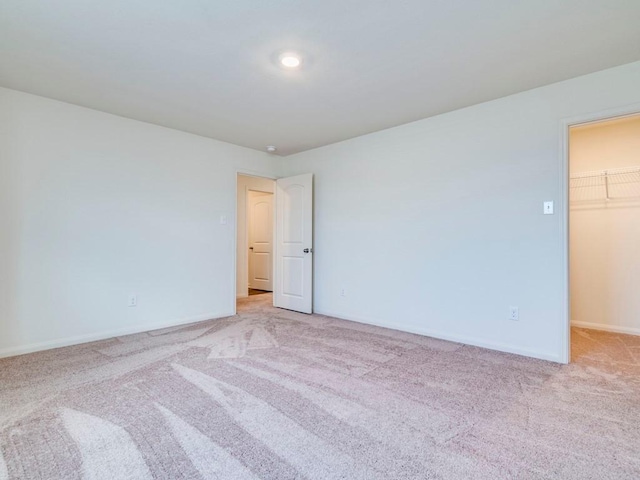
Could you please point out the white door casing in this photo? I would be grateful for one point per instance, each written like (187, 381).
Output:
(260, 233)
(294, 244)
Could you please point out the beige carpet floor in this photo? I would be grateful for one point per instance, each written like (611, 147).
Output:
(273, 394)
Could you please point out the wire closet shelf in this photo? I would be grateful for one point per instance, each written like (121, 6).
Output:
(610, 184)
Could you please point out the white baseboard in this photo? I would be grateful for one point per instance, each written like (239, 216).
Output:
(476, 342)
(606, 328)
(93, 337)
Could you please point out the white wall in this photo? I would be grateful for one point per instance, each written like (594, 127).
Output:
(605, 235)
(437, 226)
(434, 227)
(246, 183)
(94, 207)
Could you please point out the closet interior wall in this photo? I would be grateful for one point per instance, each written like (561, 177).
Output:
(605, 225)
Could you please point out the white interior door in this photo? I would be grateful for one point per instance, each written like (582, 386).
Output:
(294, 243)
(260, 219)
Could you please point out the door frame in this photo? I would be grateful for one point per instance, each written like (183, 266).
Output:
(564, 211)
(245, 173)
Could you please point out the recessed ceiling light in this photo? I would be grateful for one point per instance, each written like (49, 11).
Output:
(271, 149)
(290, 60)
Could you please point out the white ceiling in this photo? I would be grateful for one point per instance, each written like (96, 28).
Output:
(206, 66)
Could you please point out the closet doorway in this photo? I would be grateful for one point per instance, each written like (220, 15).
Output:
(604, 235)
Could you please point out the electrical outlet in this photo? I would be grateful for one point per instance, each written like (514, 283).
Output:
(343, 292)
(514, 313)
(133, 300)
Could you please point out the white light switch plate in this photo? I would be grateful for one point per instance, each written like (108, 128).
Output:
(548, 208)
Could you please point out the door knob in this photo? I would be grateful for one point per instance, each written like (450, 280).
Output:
(307, 250)
(250, 248)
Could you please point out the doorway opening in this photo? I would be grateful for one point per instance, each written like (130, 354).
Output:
(604, 234)
(274, 241)
(255, 230)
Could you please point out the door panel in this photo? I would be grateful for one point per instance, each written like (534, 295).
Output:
(261, 268)
(294, 243)
(293, 232)
(293, 281)
(260, 216)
